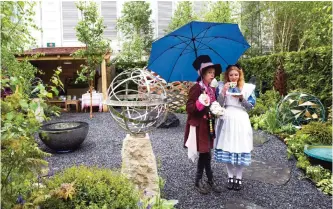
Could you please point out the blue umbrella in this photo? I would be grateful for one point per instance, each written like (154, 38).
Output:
(172, 55)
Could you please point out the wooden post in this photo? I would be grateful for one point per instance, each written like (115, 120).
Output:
(104, 83)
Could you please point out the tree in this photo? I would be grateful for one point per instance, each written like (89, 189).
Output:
(136, 27)
(298, 25)
(21, 159)
(183, 15)
(219, 11)
(318, 26)
(285, 26)
(90, 32)
(250, 21)
(16, 21)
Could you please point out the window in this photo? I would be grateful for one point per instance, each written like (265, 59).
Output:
(164, 9)
(109, 13)
(70, 18)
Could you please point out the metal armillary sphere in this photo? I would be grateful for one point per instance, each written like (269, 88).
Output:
(137, 101)
(299, 109)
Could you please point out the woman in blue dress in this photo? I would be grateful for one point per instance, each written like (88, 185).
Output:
(234, 139)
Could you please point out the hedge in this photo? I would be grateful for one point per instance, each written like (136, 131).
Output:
(309, 71)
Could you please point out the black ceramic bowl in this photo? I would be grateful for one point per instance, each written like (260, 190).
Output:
(64, 136)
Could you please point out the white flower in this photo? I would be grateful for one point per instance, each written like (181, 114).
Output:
(217, 109)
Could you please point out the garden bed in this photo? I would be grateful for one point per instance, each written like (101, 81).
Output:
(103, 145)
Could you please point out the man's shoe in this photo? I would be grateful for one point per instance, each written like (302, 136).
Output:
(214, 187)
(238, 184)
(201, 188)
(230, 183)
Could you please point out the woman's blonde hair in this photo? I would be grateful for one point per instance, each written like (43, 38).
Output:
(241, 81)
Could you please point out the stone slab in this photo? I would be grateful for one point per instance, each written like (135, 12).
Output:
(259, 139)
(241, 204)
(267, 172)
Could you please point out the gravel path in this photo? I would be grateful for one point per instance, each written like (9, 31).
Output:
(103, 148)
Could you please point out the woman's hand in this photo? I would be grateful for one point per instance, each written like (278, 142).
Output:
(225, 88)
(240, 97)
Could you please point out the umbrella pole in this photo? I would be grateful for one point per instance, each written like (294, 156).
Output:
(193, 40)
(195, 49)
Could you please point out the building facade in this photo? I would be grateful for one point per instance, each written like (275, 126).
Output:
(58, 19)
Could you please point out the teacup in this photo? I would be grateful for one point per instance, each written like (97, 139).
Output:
(214, 83)
(233, 85)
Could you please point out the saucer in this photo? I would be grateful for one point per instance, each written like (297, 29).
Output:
(234, 94)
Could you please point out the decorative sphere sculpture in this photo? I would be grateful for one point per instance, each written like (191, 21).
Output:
(300, 108)
(137, 101)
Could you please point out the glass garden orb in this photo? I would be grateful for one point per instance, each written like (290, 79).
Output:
(137, 101)
(299, 109)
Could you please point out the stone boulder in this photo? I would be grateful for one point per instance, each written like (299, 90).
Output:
(170, 121)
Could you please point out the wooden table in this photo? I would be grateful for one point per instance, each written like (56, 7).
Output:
(74, 102)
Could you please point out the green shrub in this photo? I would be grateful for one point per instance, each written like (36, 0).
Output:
(267, 121)
(83, 187)
(296, 144)
(181, 109)
(311, 134)
(289, 129)
(308, 71)
(157, 202)
(258, 121)
(265, 101)
(329, 117)
(320, 132)
(325, 185)
(316, 172)
(272, 124)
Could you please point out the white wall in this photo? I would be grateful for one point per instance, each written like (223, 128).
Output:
(59, 29)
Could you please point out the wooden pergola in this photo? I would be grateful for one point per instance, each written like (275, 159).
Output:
(64, 54)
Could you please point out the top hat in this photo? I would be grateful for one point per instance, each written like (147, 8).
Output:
(203, 63)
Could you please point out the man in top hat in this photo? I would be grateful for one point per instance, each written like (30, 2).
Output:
(199, 131)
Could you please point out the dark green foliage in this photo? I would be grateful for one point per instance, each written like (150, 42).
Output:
(320, 132)
(265, 101)
(308, 71)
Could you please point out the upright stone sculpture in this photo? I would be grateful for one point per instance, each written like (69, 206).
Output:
(138, 111)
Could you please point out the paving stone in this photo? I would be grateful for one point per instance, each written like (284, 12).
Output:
(241, 204)
(259, 139)
(267, 172)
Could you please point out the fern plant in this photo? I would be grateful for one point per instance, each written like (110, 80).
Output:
(272, 124)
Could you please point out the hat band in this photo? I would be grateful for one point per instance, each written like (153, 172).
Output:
(203, 65)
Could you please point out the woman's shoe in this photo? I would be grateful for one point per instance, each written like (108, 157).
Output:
(230, 183)
(238, 184)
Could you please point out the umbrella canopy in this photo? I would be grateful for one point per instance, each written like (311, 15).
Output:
(172, 55)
